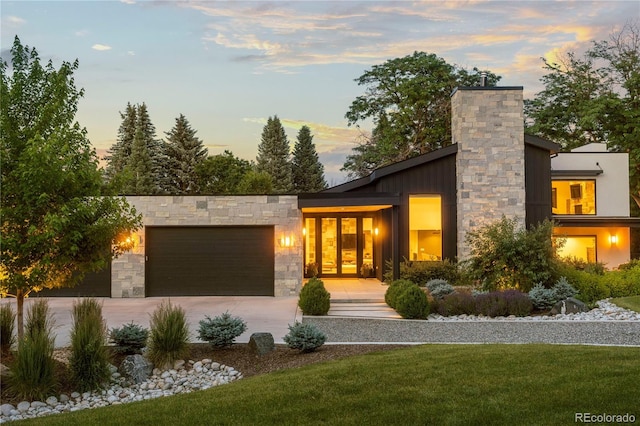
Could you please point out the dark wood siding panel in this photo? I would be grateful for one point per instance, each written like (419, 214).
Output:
(435, 177)
(210, 261)
(94, 284)
(537, 185)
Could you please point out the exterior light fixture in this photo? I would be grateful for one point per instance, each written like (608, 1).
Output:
(286, 241)
(375, 231)
(304, 231)
(613, 239)
(126, 242)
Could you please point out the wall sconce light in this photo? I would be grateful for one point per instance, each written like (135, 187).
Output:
(286, 241)
(375, 231)
(613, 240)
(304, 231)
(126, 242)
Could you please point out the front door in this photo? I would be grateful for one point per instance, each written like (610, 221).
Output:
(339, 246)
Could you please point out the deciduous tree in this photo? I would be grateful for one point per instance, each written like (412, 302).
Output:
(55, 224)
(408, 100)
(222, 173)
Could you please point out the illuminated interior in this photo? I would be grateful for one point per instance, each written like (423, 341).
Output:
(329, 242)
(425, 227)
(579, 247)
(310, 241)
(573, 197)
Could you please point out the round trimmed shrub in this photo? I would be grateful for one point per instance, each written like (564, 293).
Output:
(304, 337)
(314, 298)
(393, 291)
(412, 303)
(222, 330)
(129, 339)
(439, 288)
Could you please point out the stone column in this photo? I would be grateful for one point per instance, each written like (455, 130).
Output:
(487, 123)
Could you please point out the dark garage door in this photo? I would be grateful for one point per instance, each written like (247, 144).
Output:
(209, 261)
(94, 284)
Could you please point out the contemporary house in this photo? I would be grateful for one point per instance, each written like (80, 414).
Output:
(418, 209)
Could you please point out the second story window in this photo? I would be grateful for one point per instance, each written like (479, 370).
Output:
(574, 197)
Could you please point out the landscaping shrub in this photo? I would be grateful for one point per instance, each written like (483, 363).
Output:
(518, 303)
(304, 337)
(129, 339)
(39, 318)
(32, 370)
(89, 360)
(314, 298)
(542, 297)
(7, 327)
(169, 337)
(563, 290)
(506, 255)
(395, 288)
(623, 282)
(412, 303)
(439, 288)
(590, 286)
(455, 304)
(491, 304)
(222, 330)
(421, 272)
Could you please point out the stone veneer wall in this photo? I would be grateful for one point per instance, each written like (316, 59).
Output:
(488, 126)
(127, 271)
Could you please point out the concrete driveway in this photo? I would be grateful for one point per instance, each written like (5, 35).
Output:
(262, 314)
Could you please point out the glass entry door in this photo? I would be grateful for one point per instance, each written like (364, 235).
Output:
(349, 246)
(339, 246)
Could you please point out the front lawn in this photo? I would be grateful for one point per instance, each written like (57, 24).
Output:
(428, 384)
(631, 302)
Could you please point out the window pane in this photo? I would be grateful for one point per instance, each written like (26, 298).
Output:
(573, 197)
(329, 245)
(367, 241)
(349, 234)
(425, 227)
(581, 248)
(310, 241)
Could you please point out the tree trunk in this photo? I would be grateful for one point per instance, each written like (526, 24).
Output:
(19, 313)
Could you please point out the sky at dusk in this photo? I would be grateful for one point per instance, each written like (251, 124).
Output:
(228, 66)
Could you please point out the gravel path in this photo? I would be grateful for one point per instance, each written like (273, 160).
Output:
(360, 330)
(606, 325)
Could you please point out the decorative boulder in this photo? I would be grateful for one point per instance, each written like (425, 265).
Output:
(569, 306)
(136, 367)
(261, 343)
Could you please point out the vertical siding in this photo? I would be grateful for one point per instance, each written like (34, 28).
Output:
(435, 177)
(538, 184)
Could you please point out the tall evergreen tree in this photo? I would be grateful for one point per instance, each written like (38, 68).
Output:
(156, 149)
(121, 161)
(307, 171)
(273, 156)
(185, 152)
(138, 171)
(119, 153)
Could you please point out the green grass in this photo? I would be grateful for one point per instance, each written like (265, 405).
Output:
(432, 384)
(631, 302)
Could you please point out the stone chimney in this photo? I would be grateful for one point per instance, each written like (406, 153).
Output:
(487, 123)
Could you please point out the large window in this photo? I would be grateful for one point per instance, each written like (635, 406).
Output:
(573, 197)
(425, 227)
(579, 247)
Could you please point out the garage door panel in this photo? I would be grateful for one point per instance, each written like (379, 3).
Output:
(199, 261)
